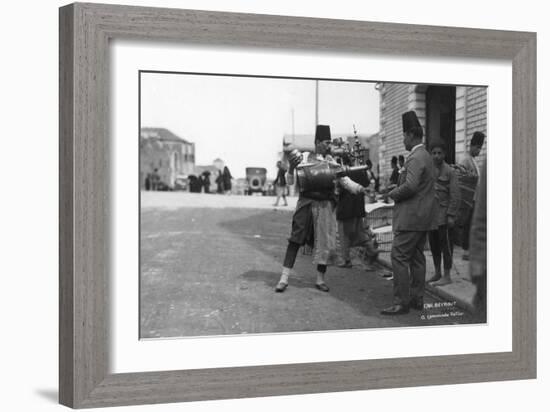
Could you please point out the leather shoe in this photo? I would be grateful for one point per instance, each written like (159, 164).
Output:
(417, 304)
(322, 287)
(281, 286)
(395, 310)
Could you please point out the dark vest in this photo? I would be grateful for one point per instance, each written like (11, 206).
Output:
(350, 206)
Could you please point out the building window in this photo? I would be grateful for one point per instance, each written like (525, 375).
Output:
(176, 162)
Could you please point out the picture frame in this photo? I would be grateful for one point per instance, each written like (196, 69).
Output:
(85, 33)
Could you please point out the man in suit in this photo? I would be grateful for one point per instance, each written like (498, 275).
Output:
(414, 215)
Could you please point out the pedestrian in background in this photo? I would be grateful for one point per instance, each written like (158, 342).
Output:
(413, 216)
(219, 182)
(155, 180)
(394, 178)
(280, 184)
(447, 195)
(371, 177)
(206, 181)
(227, 180)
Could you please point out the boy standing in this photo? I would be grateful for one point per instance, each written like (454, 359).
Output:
(447, 195)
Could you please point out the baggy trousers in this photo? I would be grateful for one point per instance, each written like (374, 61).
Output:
(440, 244)
(409, 266)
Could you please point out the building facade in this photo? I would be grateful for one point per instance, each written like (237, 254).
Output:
(449, 113)
(169, 154)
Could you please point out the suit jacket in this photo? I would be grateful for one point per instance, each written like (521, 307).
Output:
(415, 203)
(446, 193)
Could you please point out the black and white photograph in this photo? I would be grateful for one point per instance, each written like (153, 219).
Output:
(227, 205)
(281, 205)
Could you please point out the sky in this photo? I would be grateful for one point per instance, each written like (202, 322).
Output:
(242, 120)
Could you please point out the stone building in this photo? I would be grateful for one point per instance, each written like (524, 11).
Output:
(162, 150)
(451, 113)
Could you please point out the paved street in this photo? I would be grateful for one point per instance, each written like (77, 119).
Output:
(210, 263)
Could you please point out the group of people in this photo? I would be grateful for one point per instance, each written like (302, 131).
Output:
(397, 164)
(202, 183)
(152, 180)
(426, 194)
(223, 181)
(329, 221)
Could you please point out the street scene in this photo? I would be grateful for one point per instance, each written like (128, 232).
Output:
(275, 205)
(210, 269)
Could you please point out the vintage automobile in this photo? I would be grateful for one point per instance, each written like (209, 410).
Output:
(256, 180)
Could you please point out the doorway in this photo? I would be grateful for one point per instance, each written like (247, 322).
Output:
(441, 118)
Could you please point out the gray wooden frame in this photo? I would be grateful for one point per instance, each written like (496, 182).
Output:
(85, 31)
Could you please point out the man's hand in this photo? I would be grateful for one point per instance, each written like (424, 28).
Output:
(294, 159)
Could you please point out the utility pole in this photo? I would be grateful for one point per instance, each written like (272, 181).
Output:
(316, 104)
(292, 111)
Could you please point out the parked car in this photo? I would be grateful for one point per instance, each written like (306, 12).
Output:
(256, 180)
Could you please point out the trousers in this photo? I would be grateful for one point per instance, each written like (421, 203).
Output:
(409, 266)
(440, 243)
(466, 229)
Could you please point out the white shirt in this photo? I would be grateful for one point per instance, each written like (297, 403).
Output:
(475, 164)
(414, 148)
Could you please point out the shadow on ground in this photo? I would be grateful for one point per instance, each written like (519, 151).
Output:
(270, 279)
(207, 271)
(50, 395)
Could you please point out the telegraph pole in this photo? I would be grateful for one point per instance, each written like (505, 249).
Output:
(316, 103)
